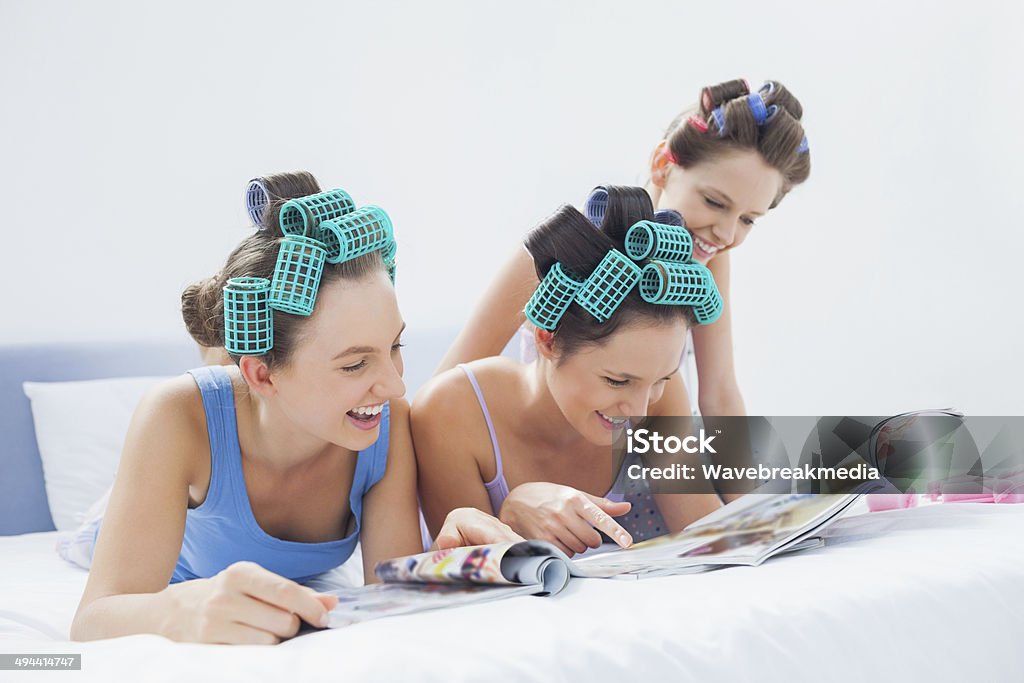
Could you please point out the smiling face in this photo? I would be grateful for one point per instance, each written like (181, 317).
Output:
(719, 199)
(346, 364)
(596, 387)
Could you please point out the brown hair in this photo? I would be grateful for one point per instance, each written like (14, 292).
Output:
(776, 140)
(569, 238)
(202, 304)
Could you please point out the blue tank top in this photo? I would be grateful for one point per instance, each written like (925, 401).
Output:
(223, 530)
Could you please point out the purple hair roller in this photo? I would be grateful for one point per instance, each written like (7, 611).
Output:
(256, 200)
(669, 217)
(597, 204)
(757, 108)
(719, 116)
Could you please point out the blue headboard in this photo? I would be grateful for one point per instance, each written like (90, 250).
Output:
(23, 506)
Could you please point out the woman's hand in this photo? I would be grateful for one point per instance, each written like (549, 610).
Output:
(244, 604)
(563, 516)
(469, 526)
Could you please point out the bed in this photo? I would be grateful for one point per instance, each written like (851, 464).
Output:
(932, 592)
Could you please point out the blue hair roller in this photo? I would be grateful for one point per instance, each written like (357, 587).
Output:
(803, 148)
(766, 89)
(677, 284)
(646, 239)
(669, 217)
(256, 200)
(248, 322)
(303, 216)
(597, 204)
(300, 263)
(608, 285)
(757, 108)
(719, 116)
(552, 298)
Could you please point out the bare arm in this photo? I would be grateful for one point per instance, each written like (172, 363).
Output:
(680, 509)
(446, 423)
(719, 391)
(497, 315)
(144, 523)
(128, 592)
(390, 519)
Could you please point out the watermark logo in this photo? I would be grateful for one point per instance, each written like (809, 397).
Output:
(643, 441)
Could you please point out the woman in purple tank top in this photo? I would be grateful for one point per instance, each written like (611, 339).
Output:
(238, 482)
(531, 443)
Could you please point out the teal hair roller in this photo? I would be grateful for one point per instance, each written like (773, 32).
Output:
(608, 285)
(300, 263)
(354, 234)
(552, 298)
(658, 241)
(388, 252)
(711, 309)
(678, 284)
(302, 216)
(248, 321)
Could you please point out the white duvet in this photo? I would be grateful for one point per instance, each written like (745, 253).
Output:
(931, 593)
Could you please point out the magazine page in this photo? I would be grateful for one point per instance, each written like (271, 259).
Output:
(456, 576)
(470, 564)
(747, 531)
(770, 525)
(533, 563)
(652, 571)
(389, 599)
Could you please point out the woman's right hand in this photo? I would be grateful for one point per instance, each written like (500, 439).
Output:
(564, 516)
(243, 604)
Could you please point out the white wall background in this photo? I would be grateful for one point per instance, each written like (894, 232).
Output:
(892, 280)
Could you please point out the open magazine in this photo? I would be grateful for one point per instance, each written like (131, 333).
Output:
(747, 531)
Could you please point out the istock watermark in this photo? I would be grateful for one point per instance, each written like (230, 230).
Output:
(922, 452)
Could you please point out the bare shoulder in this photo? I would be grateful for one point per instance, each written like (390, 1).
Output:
(176, 401)
(448, 427)
(170, 419)
(450, 393)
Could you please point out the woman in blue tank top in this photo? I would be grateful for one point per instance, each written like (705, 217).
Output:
(239, 482)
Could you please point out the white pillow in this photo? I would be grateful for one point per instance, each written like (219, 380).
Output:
(80, 429)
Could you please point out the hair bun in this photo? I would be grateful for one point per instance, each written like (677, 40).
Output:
(202, 309)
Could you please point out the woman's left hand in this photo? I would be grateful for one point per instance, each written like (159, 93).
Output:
(469, 526)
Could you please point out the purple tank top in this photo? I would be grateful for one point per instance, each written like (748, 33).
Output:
(497, 488)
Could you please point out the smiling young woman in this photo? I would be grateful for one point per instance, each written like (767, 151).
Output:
(237, 483)
(531, 442)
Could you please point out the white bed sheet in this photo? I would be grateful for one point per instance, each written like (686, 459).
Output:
(937, 595)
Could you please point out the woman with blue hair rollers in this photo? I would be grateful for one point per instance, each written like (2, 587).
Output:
(531, 443)
(722, 164)
(238, 483)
